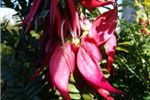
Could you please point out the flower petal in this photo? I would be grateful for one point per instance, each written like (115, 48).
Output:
(53, 9)
(72, 15)
(103, 27)
(105, 94)
(31, 15)
(91, 48)
(58, 24)
(59, 69)
(110, 50)
(90, 70)
(95, 3)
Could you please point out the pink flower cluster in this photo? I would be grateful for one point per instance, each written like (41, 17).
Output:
(70, 41)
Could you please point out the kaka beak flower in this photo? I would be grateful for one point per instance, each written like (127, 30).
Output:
(52, 33)
(53, 9)
(58, 23)
(95, 3)
(110, 46)
(62, 63)
(103, 27)
(55, 18)
(105, 94)
(90, 70)
(72, 15)
(31, 15)
(49, 46)
(62, 58)
(92, 49)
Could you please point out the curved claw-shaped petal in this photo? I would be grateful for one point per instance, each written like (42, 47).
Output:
(61, 64)
(31, 15)
(110, 50)
(72, 14)
(53, 9)
(91, 48)
(103, 27)
(105, 94)
(95, 3)
(58, 23)
(90, 70)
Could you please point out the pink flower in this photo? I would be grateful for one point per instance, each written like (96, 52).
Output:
(76, 49)
(89, 68)
(31, 15)
(62, 64)
(110, 47)
(103, 27)
(95, 3)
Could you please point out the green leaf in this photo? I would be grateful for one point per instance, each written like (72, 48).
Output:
(87, 97)
(75, 96)
(72, 88)
(125, 43)
(122, 49)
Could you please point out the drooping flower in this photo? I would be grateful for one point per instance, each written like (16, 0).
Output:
(72, 14)
(104, 27)
(31, 15)
(89, 68)
(95, 3)
(61, 65)
(110, 47)
(105, 94)
(77, 48)
(92, 49)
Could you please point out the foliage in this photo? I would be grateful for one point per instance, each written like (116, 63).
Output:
(132, 64)
(18, 51)
(131, 69)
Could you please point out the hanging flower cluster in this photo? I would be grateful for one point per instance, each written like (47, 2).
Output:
(71, 41)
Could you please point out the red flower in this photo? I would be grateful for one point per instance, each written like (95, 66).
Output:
(31, 15)
(81, 51)
(95, 3)
(110, 46)
(89, 68)
(61, 65)
(91, 48)
(103, 27)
